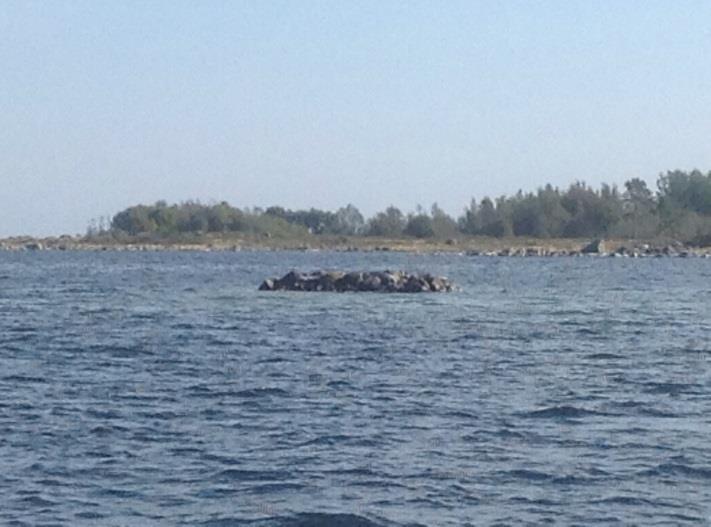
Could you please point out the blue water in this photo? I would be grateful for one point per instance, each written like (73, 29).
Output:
(164, 389)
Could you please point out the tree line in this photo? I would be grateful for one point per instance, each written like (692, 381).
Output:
(679, 208)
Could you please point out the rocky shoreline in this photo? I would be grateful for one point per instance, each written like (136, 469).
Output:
(489, 248)
(601, 249)
(375, 282)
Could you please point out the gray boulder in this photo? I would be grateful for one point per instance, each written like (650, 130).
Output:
(594, 247)
(378, 281)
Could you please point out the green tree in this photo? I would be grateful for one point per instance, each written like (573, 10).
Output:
(488, 219)
(443, 226)
(419, 226)
(391, 222)
(348, 220)
(555, 216)
(468, 223)
(134, 220)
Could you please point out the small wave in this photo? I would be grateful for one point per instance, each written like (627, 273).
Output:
(218, 458)
(95, 311)
(653, 412)
(605, 356)
(327, 440)
(210, 393)
(483, 436)
(21, 329)
(669, 388)
(460, 414)
(273, 360)
(164, 414)
(49, 482)
(685, 518)
(234, 474)
(529, 475)
(535, 476)
(101, 430)
(89, 515)
(562, 412)
(339, 384)
(119, 493)
(507, 433)
(102, 414)
(465, 337)
(21, 338)
(37, 501)
(313, 519)
(365, 472)
(633, 501)
(24, 379)
(626, 404)
(261, 392)
(124, 352)
(144, 316)
(535, 501)
(264, 488)
(679, 469)
(332, 520)
(183, 325)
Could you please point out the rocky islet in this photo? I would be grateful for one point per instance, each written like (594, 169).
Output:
(373, 281)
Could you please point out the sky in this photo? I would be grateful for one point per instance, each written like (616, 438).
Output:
(107, 104)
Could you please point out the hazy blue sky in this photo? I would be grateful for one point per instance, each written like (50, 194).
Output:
(310, 103)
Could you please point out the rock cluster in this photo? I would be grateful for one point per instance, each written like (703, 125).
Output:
(601, 248)
(595, 248)
(378, 281)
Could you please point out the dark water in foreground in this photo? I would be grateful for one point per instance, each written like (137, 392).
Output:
(163, 389)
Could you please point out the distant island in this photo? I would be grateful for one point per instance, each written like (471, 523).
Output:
(675, 216)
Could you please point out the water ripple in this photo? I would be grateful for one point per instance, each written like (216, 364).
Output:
(164, 389)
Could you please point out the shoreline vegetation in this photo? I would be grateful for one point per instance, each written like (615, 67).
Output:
(675, 220)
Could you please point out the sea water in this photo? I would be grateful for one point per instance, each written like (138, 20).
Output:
(164, 389)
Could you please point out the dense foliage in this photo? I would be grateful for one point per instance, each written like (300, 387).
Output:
(680, 208)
